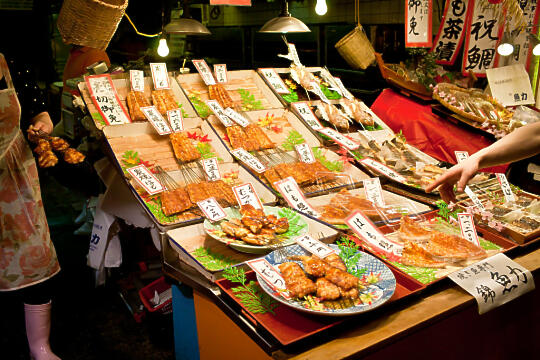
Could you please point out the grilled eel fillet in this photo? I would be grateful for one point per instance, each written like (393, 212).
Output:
(135, 100)
(163, 101)
(239, 139)
(175, 201)
(219, 93)
(184, 150)
(254, 131)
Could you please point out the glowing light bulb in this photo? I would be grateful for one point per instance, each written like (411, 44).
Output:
(320, 7)
(505, 49)
(536, 50)
(163, 49)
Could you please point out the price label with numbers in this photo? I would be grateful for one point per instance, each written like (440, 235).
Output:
(176, 120)
(157, 121)
(461, 156)
(339, 138)
(211, 168)
(468, 230)
(236, 117)
(383, 169)
(270, 274)
(317, 90)
(249, 160)
(307, 115)
(275, 80)
(344, 92)
(220, 71)
(506, 189)
(494, 281)
(294, 196)
(314, 246)
(106, 100)
(294, 54)
(160, 77)
(365, 229)
(305, 153)
(204, 71)
(246, 194)
(136, 79)
(211, 209)
(373, 191)
(219, 112)
(146, 179)
(476, 201)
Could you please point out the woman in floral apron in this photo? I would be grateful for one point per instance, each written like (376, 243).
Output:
(27, 255)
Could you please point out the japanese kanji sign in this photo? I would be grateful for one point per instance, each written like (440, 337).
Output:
(294, 196)
(236, 117)
(270, 274)
(373, 191)
(136, 79)
(294, 54)
(248, 159)
(211, 209)
(476, 201)
(220, 71)
(317, 90)
(339, 138)
(106, 100)
(274, 80)
(176, 120)
(211, 169)
(418, 16)
(510, 85)
(494, 281)
(246, 194)
(157, 121)
(219, 112)
(307, 115)
(461, 156)
(160, 76)
(367, 231)
(204, 71)
(383, 169)
(305, 153)
(314, 246)
(451, 32)
(146, 179)
(468, 230)
(505, 187)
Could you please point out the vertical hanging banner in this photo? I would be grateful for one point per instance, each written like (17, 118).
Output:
(418, 17)
(481, 39)
(451, 32)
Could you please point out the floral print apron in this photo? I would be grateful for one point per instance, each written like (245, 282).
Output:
(27, 255)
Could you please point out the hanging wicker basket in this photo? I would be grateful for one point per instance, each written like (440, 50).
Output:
(356, 49)
(90, 22)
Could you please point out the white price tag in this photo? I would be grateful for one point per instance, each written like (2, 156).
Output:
(106, 100)
(307, 115)
(211, 209)
(494, 281)
(364, 228)
(220, 70)
(468, 230)
(506, 189)
(136, 79)
(236, 117)
(176, 120)
(420, 166)
(461, 156)
(160, 77)
(211, 168)
(275, 80)
(270, 274)
(294, 196)
(294, 54)
(510, 85)
(339, 138)
(373, 191)
(317, 90)
(343, 91)
(383, 169)
(249, 160)
(219, 112)
(246, 194)
(146, 179)
(476, 201)
(314, 246)
(157, 121)
(305, 153)
(204, 71)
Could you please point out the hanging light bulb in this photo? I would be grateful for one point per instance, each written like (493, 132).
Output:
(320, 7)
(163, 49)
(505, 48)
(536, 50)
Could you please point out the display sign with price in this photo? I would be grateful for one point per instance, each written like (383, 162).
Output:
(211, 168)
(220, 70)
(236, 117)
(505, 187)
(176, 120)
(211, 209)
(204, 71)
(307, 115)
(246, 194)
(314, 246)
(461, 156)
(275, 80)
(294, 196)
(305, 153)
(249, 160)
(366, 230)
(270, 274)
(339, 138)
(146, 179)
(106, 100)
(136, 79)
(220, 113)
(373, 191)
(157, 121)
(476, 201)
(468, 230)
(160, 77)
(383, 169)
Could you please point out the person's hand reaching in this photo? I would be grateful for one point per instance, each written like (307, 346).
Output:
(459, 174)
(41, 125)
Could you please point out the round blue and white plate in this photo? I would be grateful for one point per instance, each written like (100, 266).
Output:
(378, 284)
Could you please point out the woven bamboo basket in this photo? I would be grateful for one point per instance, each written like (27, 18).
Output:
(90, 23)
(356, 49)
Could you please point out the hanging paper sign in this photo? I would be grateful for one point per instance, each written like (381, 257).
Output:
(461, 156)
(315, 247)
(146, 179)
(342, 90)
(136, 79)
(245, 194)
(506, 189)
(176, 120)
(219, 112)
(157, 121)
(249, 160)
(481, 39)
(494, 281)
(204, 71)
(236, 117)
(274, 80)
(294, 55)
(468, 230)
(476, 201)
(373, 191)
(510, 85)
(211, 209)
(270, 274)
(307, 115)
(367, 231)
(211, 168)
(339, 138)
(317, 90)
(418, 17)
(451, 32)
(383, 169)
(160, 77)
(220, 71)
(294, 196)
(305, 153)
(106, 100)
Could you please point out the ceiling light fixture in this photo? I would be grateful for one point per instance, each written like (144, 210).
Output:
(505, 48)
(321, 8)
(284, 23)
(186, 25)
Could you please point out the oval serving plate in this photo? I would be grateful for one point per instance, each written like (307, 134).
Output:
(374, 294)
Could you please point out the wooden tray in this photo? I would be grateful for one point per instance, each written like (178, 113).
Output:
(460, 120)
